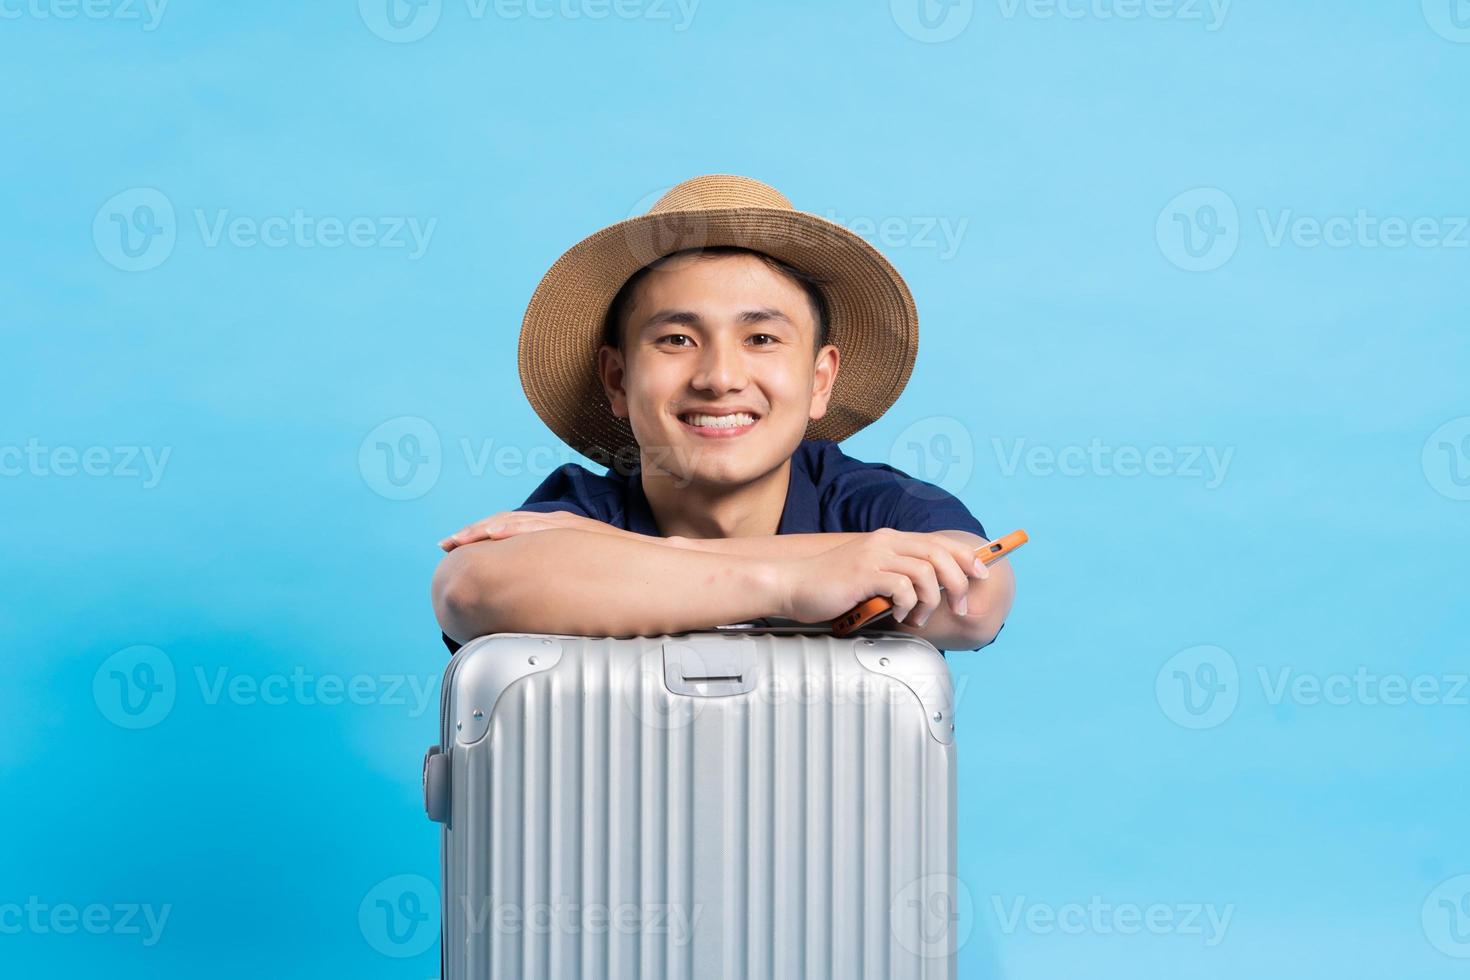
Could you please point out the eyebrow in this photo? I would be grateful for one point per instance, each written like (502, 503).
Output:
(689, 318)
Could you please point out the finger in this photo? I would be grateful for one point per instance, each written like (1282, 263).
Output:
(900, 591)
(925, 583)
(952, 579)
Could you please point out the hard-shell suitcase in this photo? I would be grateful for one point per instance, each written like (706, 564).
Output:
(751, 801)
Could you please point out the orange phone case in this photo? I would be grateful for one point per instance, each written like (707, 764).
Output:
(865, 612)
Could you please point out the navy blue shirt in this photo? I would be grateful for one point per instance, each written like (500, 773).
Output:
(828, 491)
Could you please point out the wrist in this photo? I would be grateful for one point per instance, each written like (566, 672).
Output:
(768, 579)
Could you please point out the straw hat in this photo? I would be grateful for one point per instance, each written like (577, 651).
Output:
(873, 320)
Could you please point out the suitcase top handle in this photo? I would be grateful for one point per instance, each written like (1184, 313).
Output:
(710, 666)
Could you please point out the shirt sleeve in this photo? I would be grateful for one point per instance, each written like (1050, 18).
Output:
(873, 495)
(567, 488)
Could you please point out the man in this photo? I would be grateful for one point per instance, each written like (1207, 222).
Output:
(715, 380)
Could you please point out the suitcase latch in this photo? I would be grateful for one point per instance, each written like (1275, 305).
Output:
(711, 666)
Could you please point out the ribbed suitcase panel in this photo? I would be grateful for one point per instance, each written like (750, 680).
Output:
(623, 832)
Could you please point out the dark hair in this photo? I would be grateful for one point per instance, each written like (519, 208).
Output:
(622, 303)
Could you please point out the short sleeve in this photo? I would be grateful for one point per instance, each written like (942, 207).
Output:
(568, 488)
(867, 496)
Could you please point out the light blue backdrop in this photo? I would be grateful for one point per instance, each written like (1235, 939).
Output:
(1192, 281)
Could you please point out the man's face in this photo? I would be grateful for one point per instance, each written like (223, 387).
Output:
(718, 376)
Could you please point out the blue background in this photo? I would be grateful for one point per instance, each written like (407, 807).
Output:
(1069, 312)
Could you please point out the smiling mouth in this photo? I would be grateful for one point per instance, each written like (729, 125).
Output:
(718, 426)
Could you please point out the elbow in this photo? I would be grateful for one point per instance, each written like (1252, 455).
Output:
(461, 593)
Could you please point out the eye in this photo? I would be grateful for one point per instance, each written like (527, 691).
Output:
(671, 336)
(769, 337)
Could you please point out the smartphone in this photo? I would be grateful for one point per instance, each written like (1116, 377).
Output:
(880, 606)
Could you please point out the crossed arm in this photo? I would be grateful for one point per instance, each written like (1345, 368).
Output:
(522, 571)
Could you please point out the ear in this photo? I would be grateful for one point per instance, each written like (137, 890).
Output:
(824, 376)
(612, 369)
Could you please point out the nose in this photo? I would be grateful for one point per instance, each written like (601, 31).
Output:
(721, 368)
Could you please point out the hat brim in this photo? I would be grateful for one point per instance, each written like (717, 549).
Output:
(873, 319)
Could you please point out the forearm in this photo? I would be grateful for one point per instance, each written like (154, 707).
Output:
(988, 601)
(590, 583)
(768, 546)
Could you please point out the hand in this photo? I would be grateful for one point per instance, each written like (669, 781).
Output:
(512, 522)
(911, 568)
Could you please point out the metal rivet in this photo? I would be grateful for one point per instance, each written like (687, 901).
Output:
(546, 643)
(480, 714)
(951, 726)
(939, 716)
(532, 661)
(459, 726)
(882, 661)
(867, 643)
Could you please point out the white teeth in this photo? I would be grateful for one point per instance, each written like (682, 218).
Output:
(720, 421)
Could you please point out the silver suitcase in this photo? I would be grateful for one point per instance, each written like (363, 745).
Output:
(751, 802)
